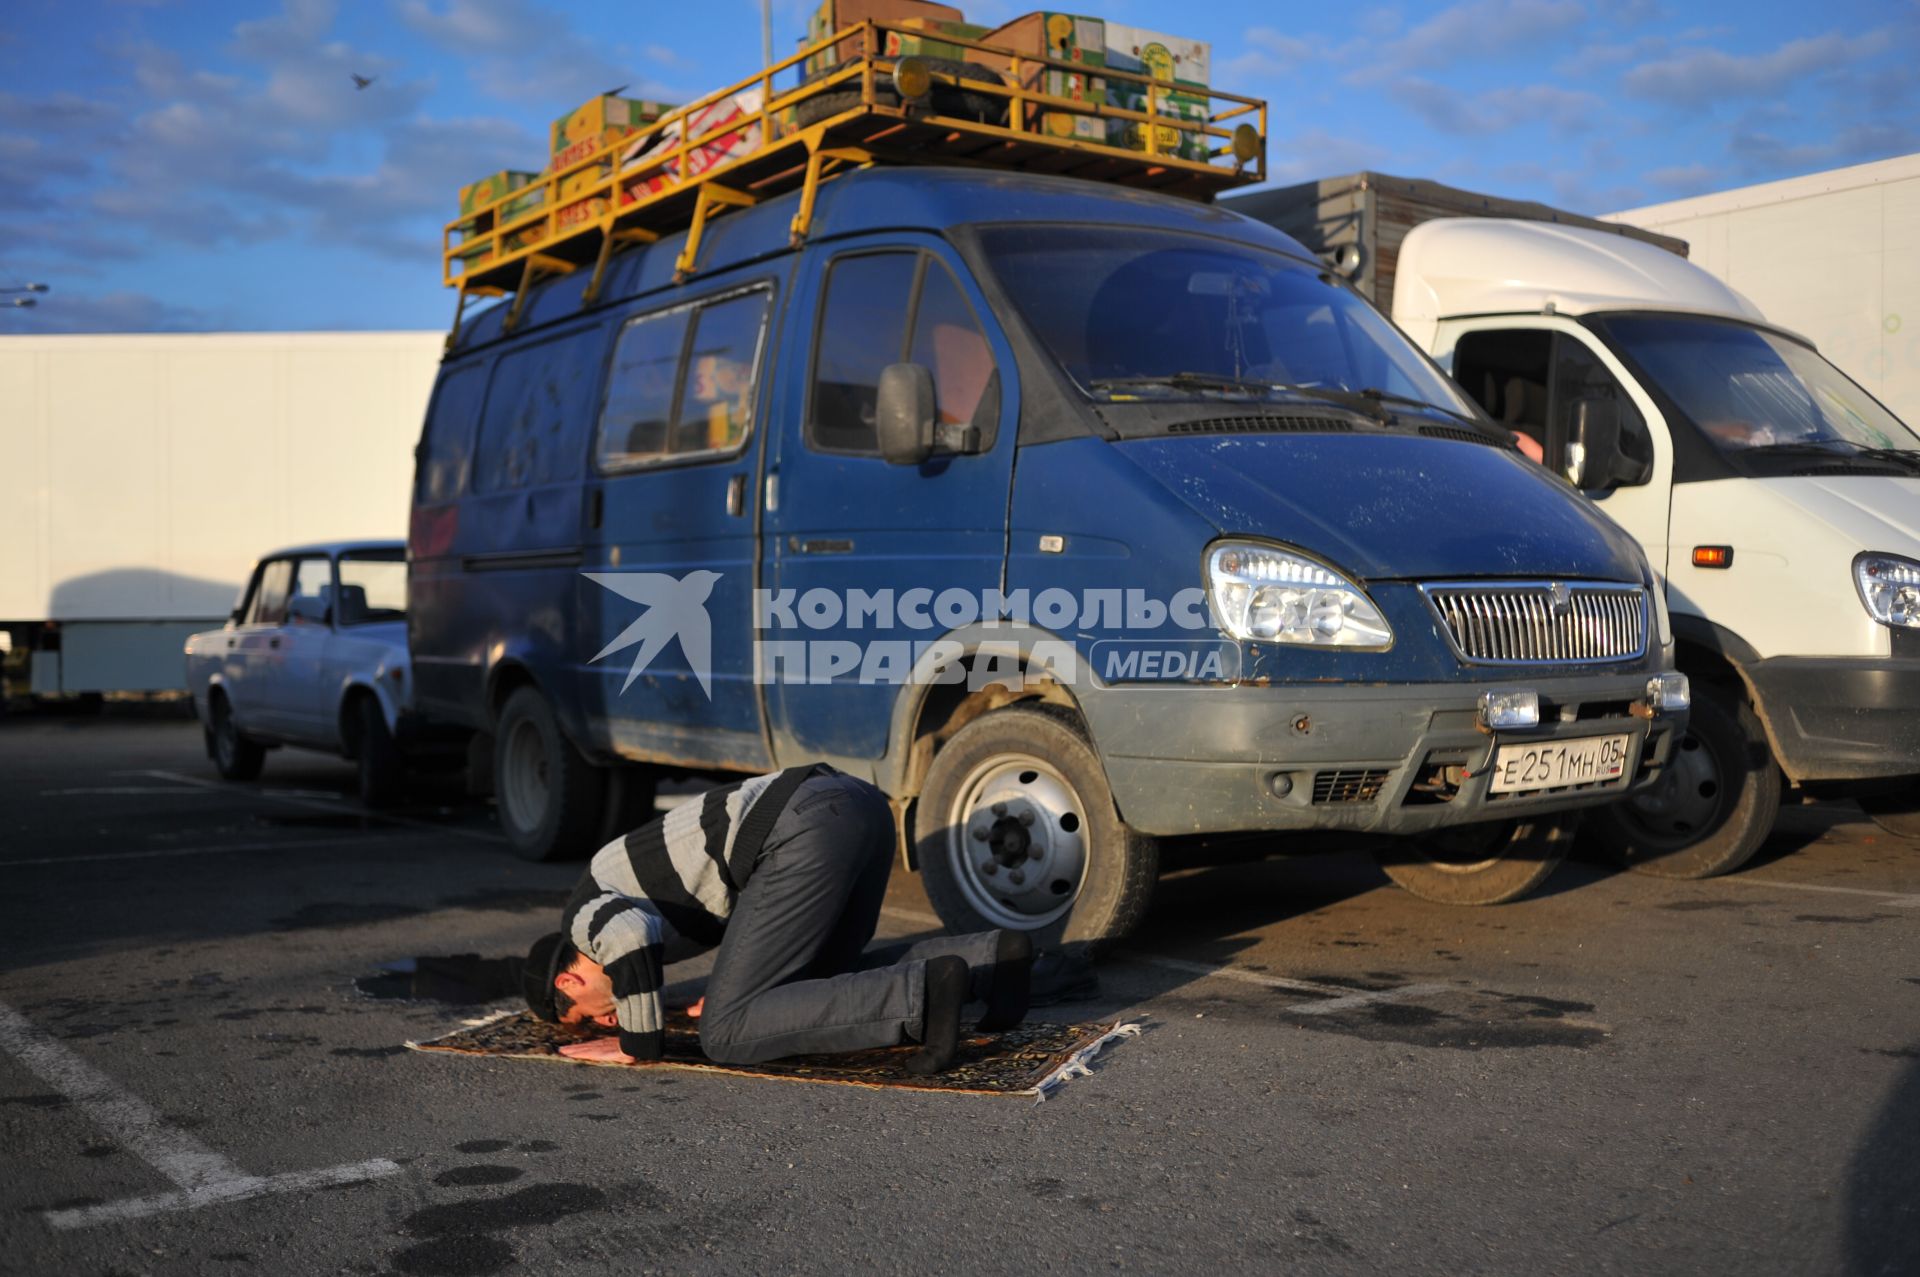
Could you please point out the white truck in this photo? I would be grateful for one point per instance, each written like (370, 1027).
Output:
(140, 475)
(1833, 255)
(1780, 500)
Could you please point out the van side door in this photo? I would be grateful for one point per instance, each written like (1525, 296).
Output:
(666, 653)
(1532, 373)
(840, 519)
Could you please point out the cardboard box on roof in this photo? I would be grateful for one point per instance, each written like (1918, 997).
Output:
(605, 118)
(732, 128)
(936, 43)
(477, 195)
(1069, 38)
(1173, 60)
(836, 15)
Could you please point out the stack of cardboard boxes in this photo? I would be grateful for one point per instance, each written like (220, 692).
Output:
(1093, 44)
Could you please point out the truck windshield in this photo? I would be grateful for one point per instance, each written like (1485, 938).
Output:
(1140, 314)
(1771, 403)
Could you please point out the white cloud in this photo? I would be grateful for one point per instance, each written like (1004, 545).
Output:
(1482, 112)
(1471, 30)
(525, 52)
(1269, 53)
(1703, 77)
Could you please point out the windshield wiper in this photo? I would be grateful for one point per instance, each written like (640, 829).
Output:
(1181, 381)
(1387, 396)
(1898, 456)
(1839, 452)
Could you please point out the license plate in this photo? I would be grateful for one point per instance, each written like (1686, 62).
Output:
(1550, 764)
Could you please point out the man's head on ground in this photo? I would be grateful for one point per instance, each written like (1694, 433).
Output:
(564, 986)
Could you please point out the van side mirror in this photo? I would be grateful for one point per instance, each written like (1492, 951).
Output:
(1594, 458)
(904, 414)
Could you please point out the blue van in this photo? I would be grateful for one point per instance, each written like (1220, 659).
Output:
(1076, 517)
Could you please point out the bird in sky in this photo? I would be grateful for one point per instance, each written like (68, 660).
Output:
(614, 93)
(362, 81)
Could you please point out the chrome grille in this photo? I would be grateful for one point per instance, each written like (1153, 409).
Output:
(1542, 622)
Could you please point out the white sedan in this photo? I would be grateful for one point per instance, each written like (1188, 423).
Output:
(315, 655)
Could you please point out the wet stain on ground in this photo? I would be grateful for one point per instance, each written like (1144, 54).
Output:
(482, 1146)
(1895, 1053)
(367, 1052)
(341, 913)
(98, 1150)
(459, 1236)
(598, 1117)
(586, 1095)
(1696, 906)
(1489, 1021)
(475, 1176)
(36, 1101)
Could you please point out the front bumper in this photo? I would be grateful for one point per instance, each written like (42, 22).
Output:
(1366, 758)
(1841, 718)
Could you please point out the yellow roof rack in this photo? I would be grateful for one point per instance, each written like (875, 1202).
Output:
(747, 143)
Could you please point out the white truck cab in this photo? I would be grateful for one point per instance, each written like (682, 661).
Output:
(1779, 501)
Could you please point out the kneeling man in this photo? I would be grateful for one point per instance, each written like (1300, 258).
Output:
(785, 873)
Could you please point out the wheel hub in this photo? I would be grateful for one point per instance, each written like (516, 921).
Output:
(1018, 842)
(1684, 803)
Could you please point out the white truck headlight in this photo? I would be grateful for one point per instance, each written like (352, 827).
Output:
(1890, 588)
(1266, 594)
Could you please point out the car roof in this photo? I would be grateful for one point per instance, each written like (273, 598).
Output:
(928, 199)
(333, 548)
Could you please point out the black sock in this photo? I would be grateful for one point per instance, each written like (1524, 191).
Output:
(946, 993)
(1008, 995)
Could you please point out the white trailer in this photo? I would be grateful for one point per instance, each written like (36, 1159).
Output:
(142, 475)
(1834, 256)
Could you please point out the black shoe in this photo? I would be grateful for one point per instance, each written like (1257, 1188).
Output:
(940, 1038)
(1008, 995)
(1063, 975)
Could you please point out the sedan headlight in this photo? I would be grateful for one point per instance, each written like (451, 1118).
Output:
(1890, 588)
(1268, 595)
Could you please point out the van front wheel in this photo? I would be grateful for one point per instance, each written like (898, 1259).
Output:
(549, 798)
(1481, 864)
(1016, 829)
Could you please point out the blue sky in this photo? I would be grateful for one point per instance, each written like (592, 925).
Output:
(209, 165)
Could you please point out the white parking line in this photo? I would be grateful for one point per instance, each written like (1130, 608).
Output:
(1367, 997)
(1895, 899)
(333, 808)
(202, 1176)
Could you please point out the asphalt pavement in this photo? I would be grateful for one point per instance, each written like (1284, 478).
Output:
(1620, 1074)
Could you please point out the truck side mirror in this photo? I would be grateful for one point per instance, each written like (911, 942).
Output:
(1594, 458)
(904, 414)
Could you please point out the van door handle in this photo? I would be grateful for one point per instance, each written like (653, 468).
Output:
(821, 545)
(737, 495)
(273, 642)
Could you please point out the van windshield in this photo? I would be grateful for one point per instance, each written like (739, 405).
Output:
(1144, 314)
(1767, 401)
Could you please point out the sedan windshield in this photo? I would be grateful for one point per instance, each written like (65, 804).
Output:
(1133, 314)
(1760, 397)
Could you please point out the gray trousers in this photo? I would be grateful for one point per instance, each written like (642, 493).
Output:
(792, 976)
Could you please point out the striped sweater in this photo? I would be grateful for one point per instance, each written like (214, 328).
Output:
(660, 894)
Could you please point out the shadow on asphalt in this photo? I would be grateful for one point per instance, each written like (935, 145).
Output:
(1883, 1181)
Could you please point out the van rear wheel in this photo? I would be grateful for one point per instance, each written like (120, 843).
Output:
(549, 798)
(1016, 829)
(1712, 808)
(1481, 864)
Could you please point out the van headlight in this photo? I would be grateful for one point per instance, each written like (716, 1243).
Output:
(1265, 594)
(1890, 588)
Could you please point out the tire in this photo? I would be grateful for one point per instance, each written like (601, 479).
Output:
(234, 756)
(383, 770)
(946, 99)
(1897, 814)
(629, 802)
(1481, 864)
(1713, 807)
(548, 798)
(1084, 876)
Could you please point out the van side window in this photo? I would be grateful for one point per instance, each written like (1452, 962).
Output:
(541, 395)
(448, 445)
(1506, 371)
(270, 596)
(1578, 374)
(886, 308)
(863, 328)
(947, 341)
(683, 382)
